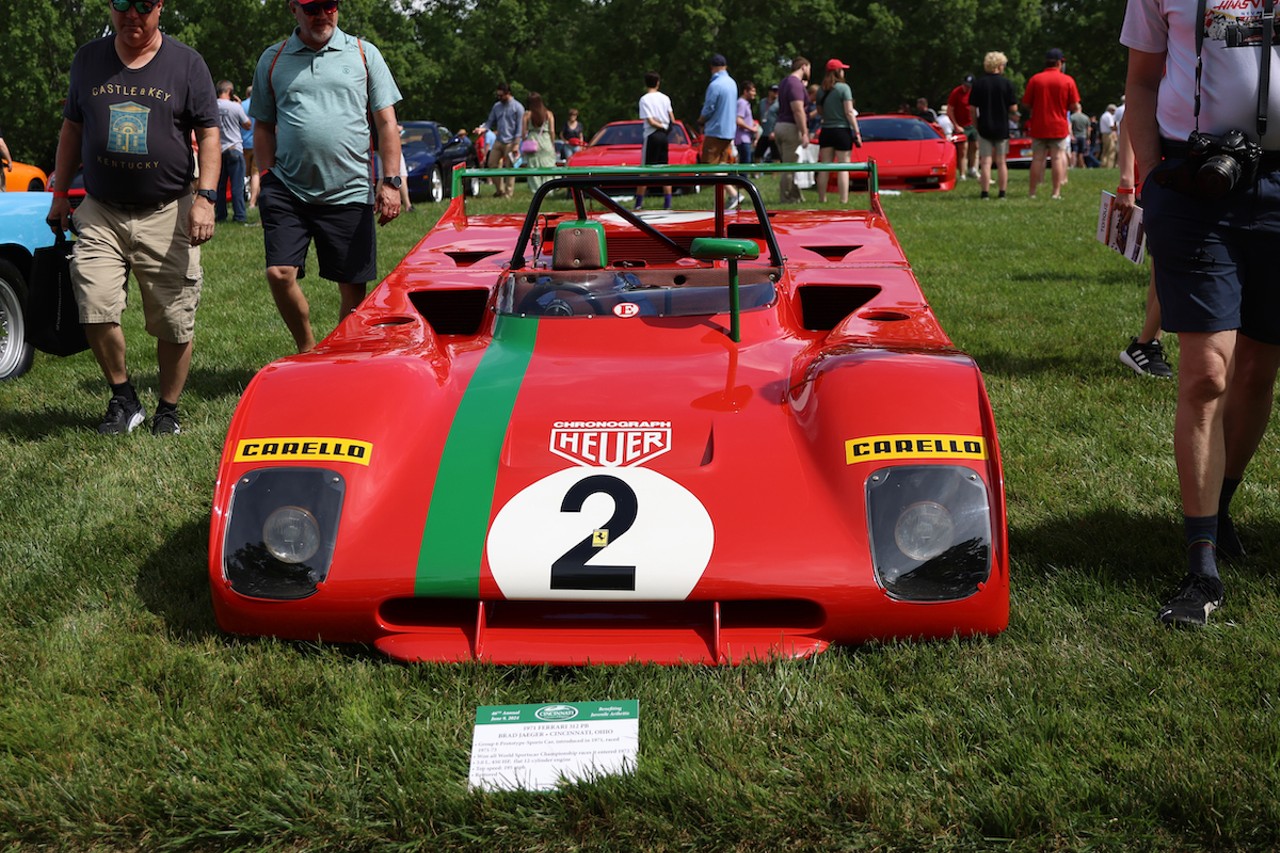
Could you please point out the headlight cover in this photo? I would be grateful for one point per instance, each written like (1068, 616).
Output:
(930, 531)
(282, 525)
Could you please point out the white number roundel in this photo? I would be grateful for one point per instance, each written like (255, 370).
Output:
(601, 534)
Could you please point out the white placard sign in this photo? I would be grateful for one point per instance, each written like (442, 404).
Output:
(535, 747)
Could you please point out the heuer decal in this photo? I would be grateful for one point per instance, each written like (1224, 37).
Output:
(876, 448)
(610, 444)
(303, 449)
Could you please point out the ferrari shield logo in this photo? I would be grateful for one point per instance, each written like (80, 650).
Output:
(127, 132)
(610, 444)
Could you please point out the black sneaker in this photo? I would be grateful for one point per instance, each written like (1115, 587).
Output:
(1191, 605)
(123, 415)
(166, 423)
(1146, 359)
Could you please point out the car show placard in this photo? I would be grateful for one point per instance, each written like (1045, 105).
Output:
(536, 747)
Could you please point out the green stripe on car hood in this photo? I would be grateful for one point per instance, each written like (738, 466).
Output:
(458, 516)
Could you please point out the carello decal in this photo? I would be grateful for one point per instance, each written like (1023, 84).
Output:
(876, 448)
(306, 448)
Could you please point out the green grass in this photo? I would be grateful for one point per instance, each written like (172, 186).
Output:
(127, 721)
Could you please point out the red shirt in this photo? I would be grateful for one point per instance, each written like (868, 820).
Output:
(958, 107)
(1050, 95)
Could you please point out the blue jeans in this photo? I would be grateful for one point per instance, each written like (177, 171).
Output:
(233, 171)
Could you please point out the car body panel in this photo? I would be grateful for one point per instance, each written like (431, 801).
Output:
(431, 151)
(615, 485)
(910, 153)
(619, 143)
(24, 177)
(22, 231)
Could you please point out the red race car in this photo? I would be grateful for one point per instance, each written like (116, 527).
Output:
(910, 153)
(618, 143)
(588, 434)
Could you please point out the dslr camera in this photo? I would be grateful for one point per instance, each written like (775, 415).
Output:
(1216, 165)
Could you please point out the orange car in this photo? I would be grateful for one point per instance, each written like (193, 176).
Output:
(24, 178)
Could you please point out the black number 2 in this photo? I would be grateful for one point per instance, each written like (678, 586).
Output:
(571, 571)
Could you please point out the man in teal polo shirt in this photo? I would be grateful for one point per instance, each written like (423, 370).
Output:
(313, 98)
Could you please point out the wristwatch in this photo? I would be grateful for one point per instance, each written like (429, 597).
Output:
(210, 196)
(393, 181)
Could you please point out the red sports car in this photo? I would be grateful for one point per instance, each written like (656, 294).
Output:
(910, 153)
(618, 143)
(587, 434)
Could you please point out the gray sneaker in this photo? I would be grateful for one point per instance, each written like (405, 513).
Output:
(123, 416)
(1146, 359)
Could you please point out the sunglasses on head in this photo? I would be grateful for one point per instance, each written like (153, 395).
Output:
(143, 7)
(317, 7)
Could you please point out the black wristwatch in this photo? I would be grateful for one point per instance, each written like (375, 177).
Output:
(393, 181)
(210, 196)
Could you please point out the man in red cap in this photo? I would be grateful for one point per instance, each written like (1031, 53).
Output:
(1050, 95)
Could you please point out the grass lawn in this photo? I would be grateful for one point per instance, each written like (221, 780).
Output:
(128, 721)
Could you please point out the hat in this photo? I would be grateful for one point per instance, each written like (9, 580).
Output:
(968, 78)
(835, 65)
(716, 60)
(1054, 55)
(1111, 108)
(773, 88)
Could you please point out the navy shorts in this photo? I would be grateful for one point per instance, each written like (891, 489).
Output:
(656, 148)
(346, 242)
(1215, 261)
(839, 138)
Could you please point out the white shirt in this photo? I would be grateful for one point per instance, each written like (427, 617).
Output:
(1229, 82)
(1106, 123)
(655, 105)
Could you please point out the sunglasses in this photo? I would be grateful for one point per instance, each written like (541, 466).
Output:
(143, 7)
(317, 7)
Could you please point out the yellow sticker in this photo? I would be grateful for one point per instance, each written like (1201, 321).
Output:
(876, 448)
(599, 538)
(304, 449)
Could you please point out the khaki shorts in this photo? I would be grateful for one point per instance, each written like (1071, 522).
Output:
(716, 151)
(155, 244)
(992, 147)
(1042, 146)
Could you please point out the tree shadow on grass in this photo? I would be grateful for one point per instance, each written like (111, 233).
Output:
(54, 418)
(1144, 553)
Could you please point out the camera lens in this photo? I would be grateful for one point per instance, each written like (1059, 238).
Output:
(1217, 176)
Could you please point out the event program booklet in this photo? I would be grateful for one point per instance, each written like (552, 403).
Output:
(1121, 230)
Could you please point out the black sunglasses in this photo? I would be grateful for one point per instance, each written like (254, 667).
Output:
(317, 7)
(143, 7)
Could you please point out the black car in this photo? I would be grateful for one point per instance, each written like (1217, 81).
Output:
(430, 153)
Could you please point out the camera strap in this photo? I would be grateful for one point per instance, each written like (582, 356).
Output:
(1264, 72)
(1264, 76)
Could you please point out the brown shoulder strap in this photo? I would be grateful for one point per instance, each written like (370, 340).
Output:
(271, 86)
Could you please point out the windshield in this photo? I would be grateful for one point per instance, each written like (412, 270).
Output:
(895, 129)
(631, 133)
(693, 292)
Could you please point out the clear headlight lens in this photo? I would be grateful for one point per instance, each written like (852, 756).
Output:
(930, 531)
(291, 534)
(924, 530)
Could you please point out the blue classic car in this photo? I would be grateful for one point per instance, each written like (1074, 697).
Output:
(430, 153)
(22, 231)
